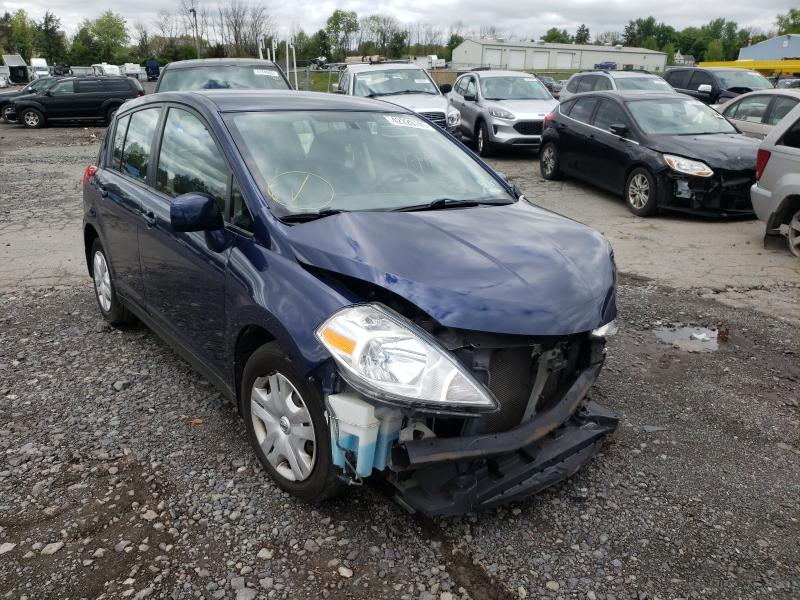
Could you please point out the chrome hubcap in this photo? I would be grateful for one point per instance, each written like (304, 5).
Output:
(283, 426)
(31, 119)
(102, 281)
(794, 234)
(548, 160)
(638, 191)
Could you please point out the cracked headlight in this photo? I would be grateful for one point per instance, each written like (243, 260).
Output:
(386, 357)
(688, 166)
(453, 117)
(500, 113)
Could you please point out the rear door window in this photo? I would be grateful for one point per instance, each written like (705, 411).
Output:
(781, 106)
(139, 143)
(602, 83)
(587, 83)
(190, 160)
(582, 111)
(572, 84)
(751, 109)
(88, 86)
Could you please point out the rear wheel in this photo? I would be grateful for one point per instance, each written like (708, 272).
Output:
(482, 142)
(111, 112)
(641, 193)
(548, 162)
(7, 109)
(794, 234)
(30, 117)
(284, 417)
(109, 303)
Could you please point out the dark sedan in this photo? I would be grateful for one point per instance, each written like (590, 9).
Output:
(661, 151)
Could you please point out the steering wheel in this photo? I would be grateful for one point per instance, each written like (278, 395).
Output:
(397, 177)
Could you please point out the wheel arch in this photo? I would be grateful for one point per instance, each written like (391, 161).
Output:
(89, 236)
(249, 339)
(788, 207)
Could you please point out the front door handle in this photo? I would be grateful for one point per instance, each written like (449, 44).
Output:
(150, 218)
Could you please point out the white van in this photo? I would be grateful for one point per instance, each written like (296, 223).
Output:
(105, 69)
(132, 70)
(39, 68)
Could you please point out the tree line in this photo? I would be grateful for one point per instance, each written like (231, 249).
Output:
(237, 27)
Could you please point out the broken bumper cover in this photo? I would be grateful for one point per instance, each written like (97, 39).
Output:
(723, 194)
(458, 475)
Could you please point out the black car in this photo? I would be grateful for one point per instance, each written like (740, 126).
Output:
(76, 99)
(658, 150)
(715, 85)
(222, 74)
(34, 87)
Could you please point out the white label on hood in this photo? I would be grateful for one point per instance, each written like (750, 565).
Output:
(407, 122)
(268, 72)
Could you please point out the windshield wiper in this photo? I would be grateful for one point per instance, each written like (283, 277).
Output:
(310, 216)
(443, 203)
(374, 94)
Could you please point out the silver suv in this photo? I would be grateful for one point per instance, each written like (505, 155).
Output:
(624, 81)
(501, 108)
(404, 84)
(776, 193)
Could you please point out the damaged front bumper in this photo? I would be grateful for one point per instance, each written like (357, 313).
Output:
(465, 473)
(723, 194)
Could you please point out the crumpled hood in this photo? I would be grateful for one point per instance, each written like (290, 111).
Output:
(512, 269)
(419, 102)
(727, 151)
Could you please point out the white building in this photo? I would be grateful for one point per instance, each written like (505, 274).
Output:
(542, 56)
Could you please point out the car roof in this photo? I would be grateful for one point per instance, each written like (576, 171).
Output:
(624, 74)
(267, 100)
(218, 62)
(362, 67)
(631, 95)
(501, 73)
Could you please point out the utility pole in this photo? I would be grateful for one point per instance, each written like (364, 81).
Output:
(196, 32)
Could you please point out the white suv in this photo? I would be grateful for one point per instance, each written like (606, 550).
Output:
(404, 84)
(624, 81)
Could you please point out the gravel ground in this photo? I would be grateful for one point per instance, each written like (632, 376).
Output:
(124, 474)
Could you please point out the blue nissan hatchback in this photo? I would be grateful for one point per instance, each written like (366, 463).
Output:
(374, 297)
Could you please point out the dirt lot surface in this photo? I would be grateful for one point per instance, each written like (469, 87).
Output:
(123, 474)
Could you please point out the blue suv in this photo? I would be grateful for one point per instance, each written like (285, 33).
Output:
(372, 296)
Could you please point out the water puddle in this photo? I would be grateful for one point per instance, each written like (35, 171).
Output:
(689, 339)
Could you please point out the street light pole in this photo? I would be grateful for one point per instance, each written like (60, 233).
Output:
(196, 32)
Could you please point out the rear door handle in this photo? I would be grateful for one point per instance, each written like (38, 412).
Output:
(150, 218)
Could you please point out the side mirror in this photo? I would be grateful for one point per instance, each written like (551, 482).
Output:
(445, 88)
(195, 212)
(470, 97)
(335, 88)
(704, 88)
(619, 129)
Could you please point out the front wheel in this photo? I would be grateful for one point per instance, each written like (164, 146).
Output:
(641, 193)
(284, 417)
(32, 118)
(482, 141)
(794, 234)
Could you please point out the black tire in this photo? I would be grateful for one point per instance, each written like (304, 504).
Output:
(32, 118)
(323, 481)
(483, 144)
(5, 109)
(641, 192)
(110, 114)
(116, 313)
(549, 164)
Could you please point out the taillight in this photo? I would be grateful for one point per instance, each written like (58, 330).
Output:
(88, 174)
(548, 118)
(761, 161)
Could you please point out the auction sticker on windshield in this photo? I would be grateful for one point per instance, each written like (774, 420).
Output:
(268, 72)
(406, 122)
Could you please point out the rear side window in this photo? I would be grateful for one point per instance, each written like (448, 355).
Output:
(792, 137)
(609, 113)
(572, 84)
(190, 160)
(780, 109)
(582, 111)
(87, 86)
(119, 142)
(138, 143)
(116, 85)
(699, 78)
(679, 78)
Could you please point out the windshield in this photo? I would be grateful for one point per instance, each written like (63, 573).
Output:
(311, 161)
(389, 82)
(250, 77)
(743, 79)
(643, 83)
(513, 88)
(677, 116)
